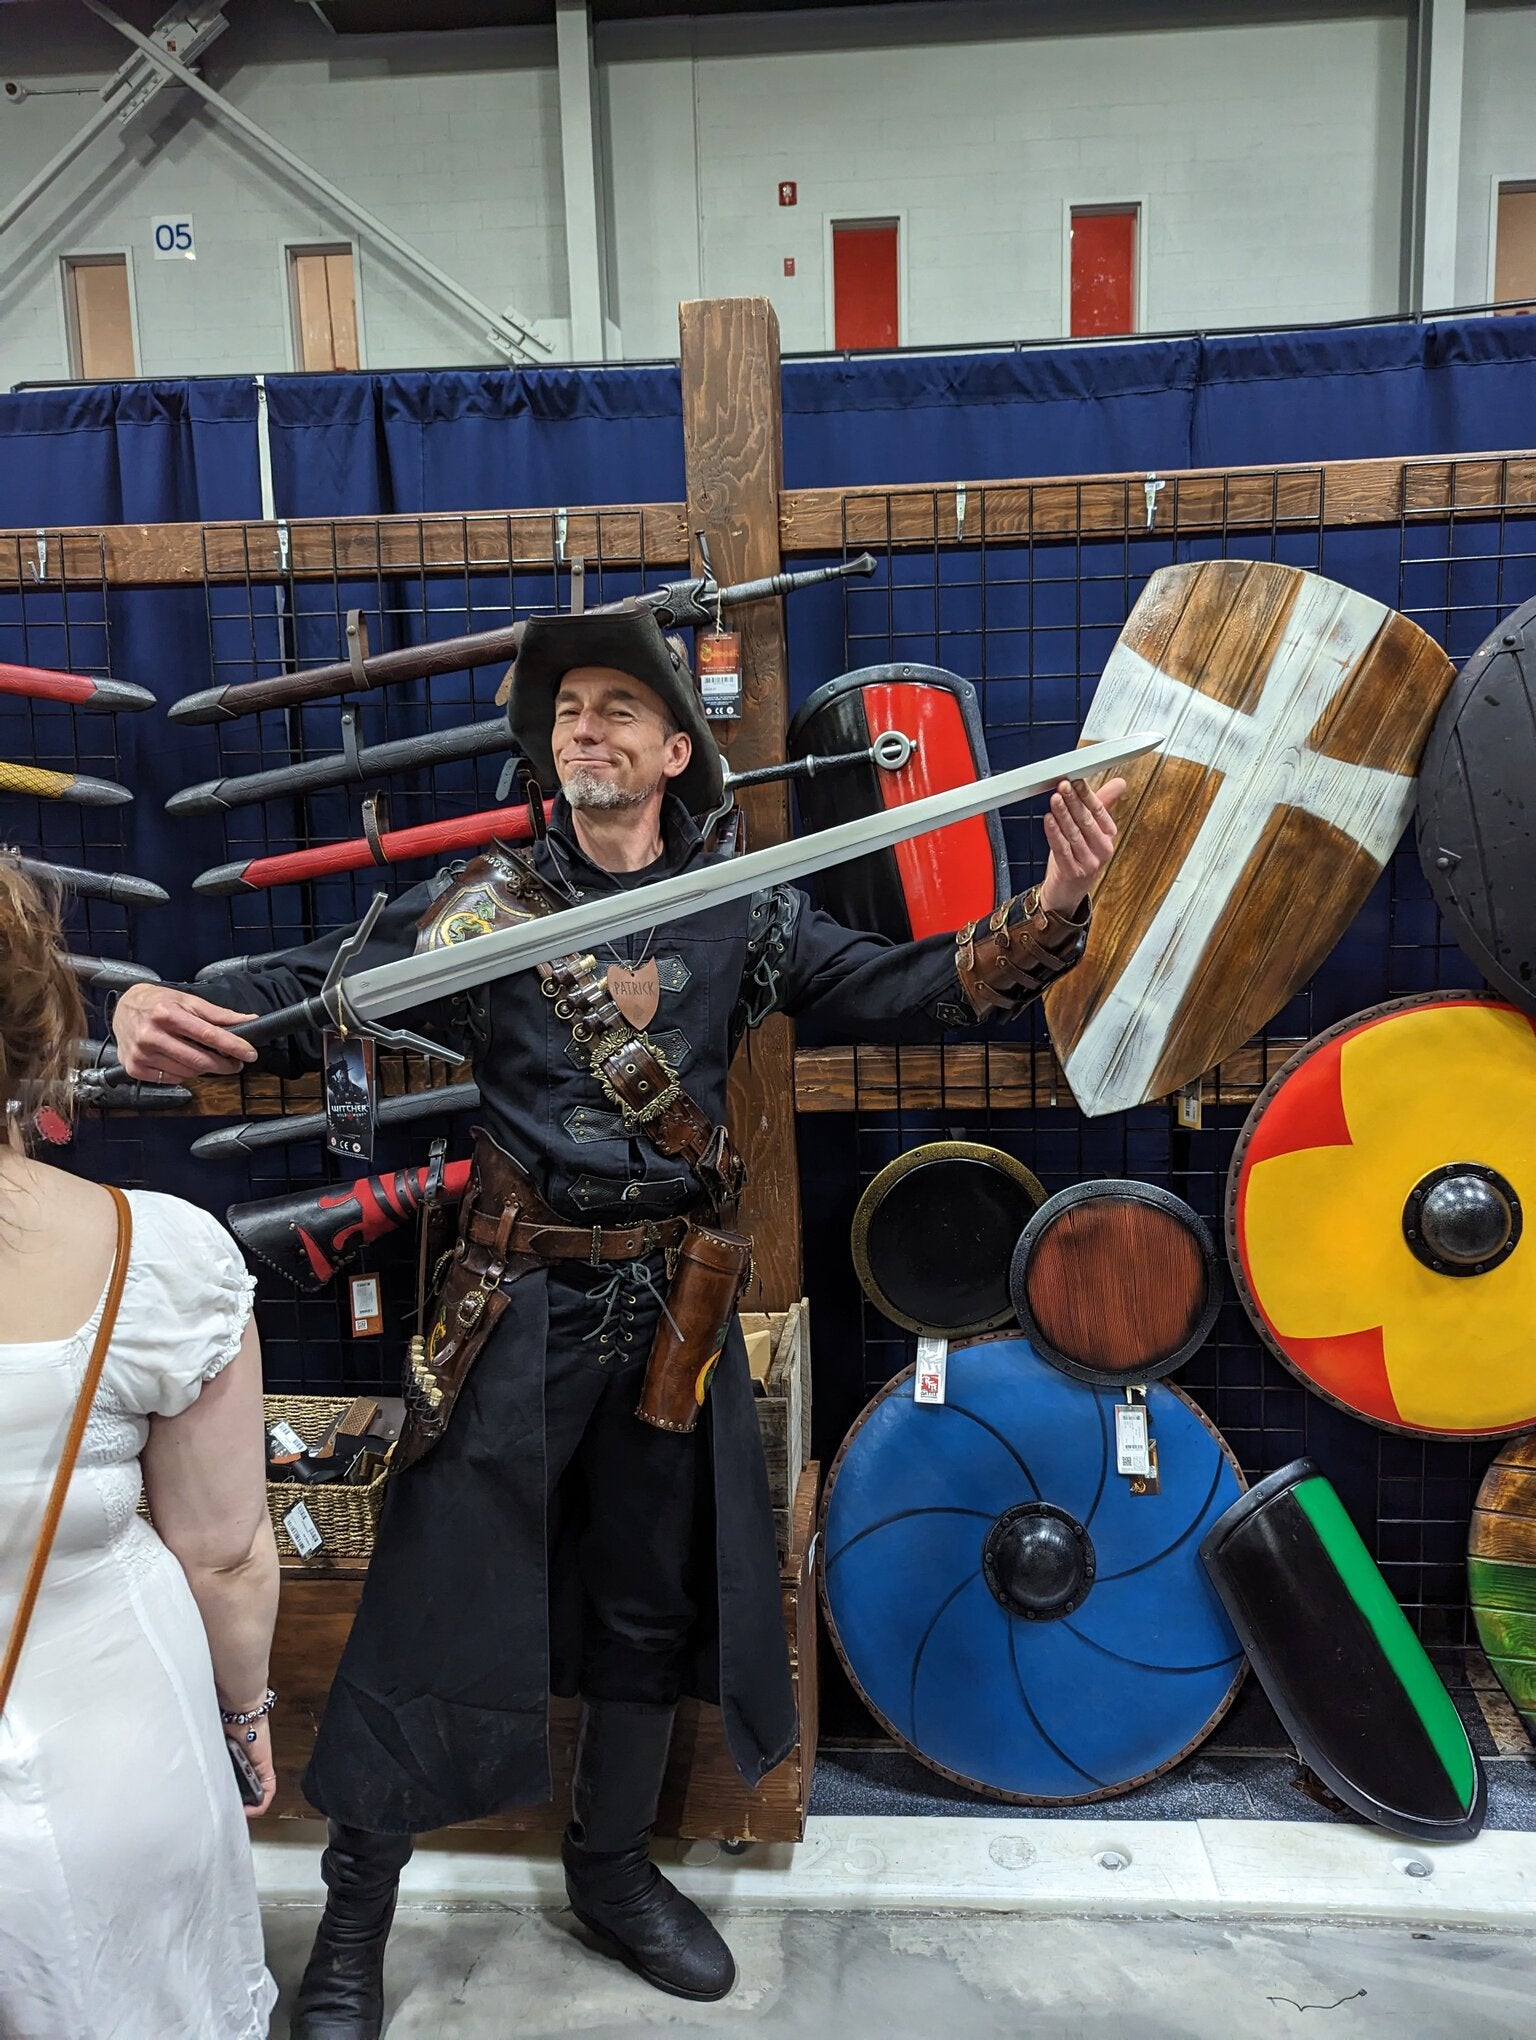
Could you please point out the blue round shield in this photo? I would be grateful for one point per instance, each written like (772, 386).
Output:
(1023, 1618)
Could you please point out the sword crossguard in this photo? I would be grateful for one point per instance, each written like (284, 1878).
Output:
(344, 1015)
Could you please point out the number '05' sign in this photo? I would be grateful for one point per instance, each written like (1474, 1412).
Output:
(172, 236)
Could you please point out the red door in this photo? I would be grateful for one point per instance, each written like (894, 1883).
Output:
(864, 287)
(1104, 271)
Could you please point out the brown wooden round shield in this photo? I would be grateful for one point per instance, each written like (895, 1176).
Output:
(1116, 1281)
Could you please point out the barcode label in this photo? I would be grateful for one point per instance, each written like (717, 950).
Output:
(932, 1367)
(300, 1525)
(1132, 1440)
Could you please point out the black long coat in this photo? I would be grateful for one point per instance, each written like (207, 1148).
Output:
(467, 1621)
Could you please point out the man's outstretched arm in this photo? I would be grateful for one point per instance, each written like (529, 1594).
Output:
(176, 1033)
(877, 990)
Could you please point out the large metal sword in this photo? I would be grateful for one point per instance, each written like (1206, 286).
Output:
(361, 1000)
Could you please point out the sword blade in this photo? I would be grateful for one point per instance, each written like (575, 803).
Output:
(391, 988)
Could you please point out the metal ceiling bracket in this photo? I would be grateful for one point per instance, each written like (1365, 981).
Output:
(512, 334)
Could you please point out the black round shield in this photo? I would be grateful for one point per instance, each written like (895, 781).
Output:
(1477, 808)
(934, 1233)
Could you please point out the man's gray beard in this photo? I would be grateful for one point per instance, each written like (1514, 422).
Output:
(586, 789)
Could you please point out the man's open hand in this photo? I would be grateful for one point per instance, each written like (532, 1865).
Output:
(166, 1037)
(1081, 833)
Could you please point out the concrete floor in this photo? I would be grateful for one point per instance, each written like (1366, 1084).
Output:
(476, 1972)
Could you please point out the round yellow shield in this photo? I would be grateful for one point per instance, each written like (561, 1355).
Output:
(1376, 1215)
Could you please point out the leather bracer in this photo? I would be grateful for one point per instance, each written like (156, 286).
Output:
(1015, 953)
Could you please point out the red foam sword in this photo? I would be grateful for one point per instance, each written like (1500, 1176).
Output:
(40, 683)
(389, 846)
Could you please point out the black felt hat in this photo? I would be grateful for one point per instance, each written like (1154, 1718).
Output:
(631, 641)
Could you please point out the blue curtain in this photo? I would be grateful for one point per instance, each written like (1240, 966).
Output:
(444, 441)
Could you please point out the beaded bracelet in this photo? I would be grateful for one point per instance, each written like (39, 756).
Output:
(233, 1718)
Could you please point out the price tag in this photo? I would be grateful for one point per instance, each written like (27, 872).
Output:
(1133, 1441)
(367, 1316)
(720, 675)
(300, 1525)
(1187, 1106)
(349, 1088)
(284, 1436)
(932, 1367)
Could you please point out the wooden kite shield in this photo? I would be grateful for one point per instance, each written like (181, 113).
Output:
(1295, 713)
(1377, 1215)
(1477, 808)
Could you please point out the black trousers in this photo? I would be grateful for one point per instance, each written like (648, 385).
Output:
(623, 1492)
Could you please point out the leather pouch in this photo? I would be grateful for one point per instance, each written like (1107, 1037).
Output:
(467, 1302)
(711, 1271)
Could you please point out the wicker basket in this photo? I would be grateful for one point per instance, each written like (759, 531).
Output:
(345, 1516)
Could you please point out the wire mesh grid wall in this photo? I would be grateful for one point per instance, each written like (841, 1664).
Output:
(1032, 623)
(507, 570)
(1022, 589)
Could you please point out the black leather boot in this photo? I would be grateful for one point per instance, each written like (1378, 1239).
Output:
(615, 1890)
(341, 1996)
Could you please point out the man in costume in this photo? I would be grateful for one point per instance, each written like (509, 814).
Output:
(538, 1536)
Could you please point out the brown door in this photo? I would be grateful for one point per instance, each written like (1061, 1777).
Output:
(324, 292)
(100, 317)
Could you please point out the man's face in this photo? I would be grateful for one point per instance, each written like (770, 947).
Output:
(612, 743)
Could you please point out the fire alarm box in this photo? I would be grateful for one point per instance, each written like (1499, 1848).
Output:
(787, 192)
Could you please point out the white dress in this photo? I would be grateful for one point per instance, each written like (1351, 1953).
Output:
(127, 1895)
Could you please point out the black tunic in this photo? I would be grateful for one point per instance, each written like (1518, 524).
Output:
(438, 1713)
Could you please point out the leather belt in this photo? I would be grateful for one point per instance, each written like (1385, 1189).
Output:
(505, 1213)
(554, 1240)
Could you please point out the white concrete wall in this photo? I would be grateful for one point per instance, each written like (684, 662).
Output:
(1268, 159)
(1498, 133)
(453, 140)
(1265, 142)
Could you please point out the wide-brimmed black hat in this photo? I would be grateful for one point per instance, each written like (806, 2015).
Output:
(631, 641)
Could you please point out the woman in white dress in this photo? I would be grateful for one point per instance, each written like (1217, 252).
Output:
(127, 1896)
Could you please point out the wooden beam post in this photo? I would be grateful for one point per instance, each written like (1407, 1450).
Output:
(733, 455)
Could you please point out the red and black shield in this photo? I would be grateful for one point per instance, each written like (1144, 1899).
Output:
(928, 884)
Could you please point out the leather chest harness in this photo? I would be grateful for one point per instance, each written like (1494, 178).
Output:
(506, 1227)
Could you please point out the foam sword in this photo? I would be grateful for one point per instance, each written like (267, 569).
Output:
(42, 683)
(361, 1001)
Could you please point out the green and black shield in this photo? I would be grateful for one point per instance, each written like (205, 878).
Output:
(1348, 1678)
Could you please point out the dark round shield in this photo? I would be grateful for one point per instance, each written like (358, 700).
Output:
(1018, 1615)
(935, 1231)
(1376, 1215)
(1477, 807)
(929, 884)
(1115, 1281)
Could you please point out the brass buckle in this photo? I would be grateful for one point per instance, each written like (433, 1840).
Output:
(597, 1246)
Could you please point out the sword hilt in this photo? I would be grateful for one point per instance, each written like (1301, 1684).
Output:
(330, 1006)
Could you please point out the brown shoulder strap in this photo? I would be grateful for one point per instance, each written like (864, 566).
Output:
(71, 1453)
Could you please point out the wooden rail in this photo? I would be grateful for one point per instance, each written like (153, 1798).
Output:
(966, 1077)
(1192, 501)
(1002, 1077)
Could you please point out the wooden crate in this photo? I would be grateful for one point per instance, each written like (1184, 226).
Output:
(784, 1407)
(703, 1797)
